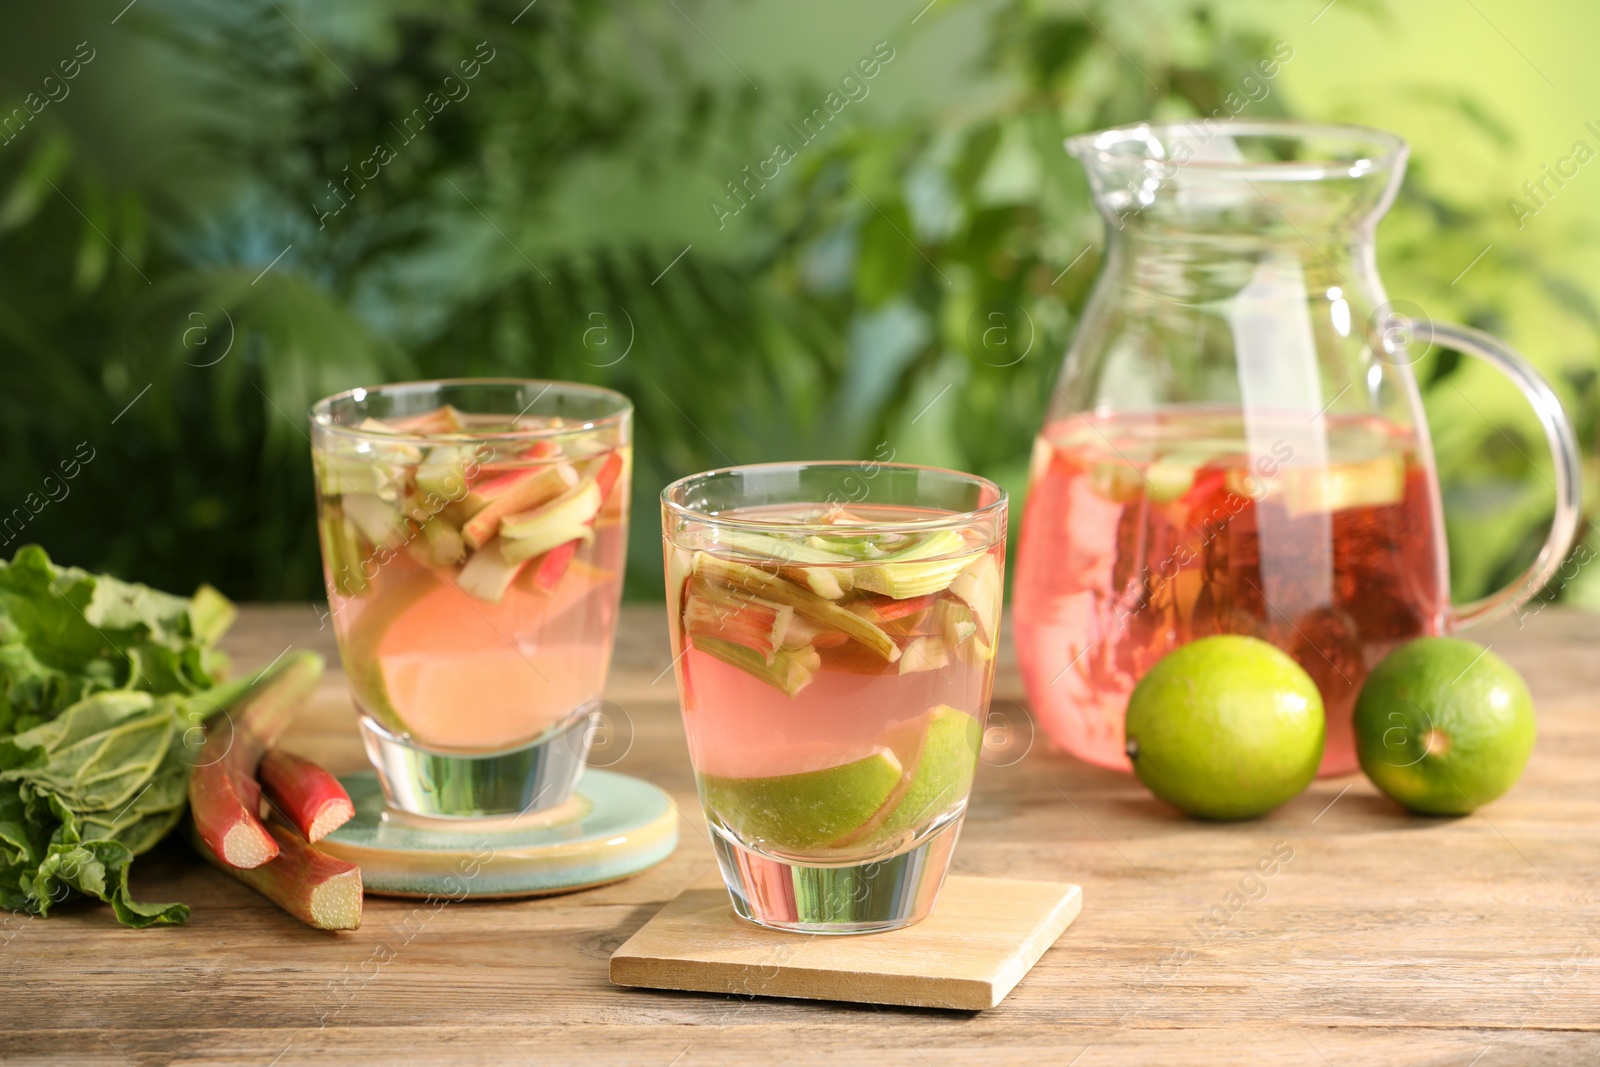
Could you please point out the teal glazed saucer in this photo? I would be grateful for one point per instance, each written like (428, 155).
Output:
(612, 827)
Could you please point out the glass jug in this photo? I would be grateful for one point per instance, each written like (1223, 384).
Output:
(1236, 443)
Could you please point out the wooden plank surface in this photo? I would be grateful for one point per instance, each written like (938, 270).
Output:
(1379, 938)
(979, 942)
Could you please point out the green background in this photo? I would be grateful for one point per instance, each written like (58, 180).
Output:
(139, 215)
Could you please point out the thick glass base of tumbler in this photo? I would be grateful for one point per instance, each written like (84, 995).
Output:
(442, 784)
(860, 898)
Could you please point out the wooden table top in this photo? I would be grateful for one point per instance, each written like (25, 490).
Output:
(1385, 939)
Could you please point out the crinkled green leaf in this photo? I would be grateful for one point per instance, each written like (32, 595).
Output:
(104, 755)
(98, 869)
(66, 633)
(102, 684)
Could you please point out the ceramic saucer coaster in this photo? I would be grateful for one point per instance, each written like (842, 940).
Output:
(613, 826)
(983, 936)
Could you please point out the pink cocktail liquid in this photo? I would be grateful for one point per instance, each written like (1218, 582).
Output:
(773, 685)
(474, 589)
(1142, 533)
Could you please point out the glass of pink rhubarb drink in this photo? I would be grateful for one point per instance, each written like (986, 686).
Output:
(473, 538)
(834, 627)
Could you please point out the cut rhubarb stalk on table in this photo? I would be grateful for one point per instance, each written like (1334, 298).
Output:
(756, 582)
(717, 612)
(224, 797)
(311, 885)
(494, 499)
(304, 793)
(788, 669)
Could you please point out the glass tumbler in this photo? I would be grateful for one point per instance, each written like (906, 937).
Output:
(834, 627)
(473, 538)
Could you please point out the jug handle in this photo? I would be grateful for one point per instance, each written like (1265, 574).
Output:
(1567, 465)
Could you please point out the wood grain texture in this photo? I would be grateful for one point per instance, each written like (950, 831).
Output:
(1386, 939)
(981, 939)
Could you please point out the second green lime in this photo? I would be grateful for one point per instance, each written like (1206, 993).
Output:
(1444, 726)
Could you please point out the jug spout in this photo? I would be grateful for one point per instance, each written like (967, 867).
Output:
(1262, 178)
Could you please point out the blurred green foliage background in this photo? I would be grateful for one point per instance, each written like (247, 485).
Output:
(201, 235)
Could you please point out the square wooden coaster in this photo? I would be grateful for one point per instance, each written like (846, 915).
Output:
(983, 936)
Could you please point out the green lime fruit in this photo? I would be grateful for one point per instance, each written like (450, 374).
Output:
(794, 812)
(1444, 726)
(944, 770)
(1225, 727)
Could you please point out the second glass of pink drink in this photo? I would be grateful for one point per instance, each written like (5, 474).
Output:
(835, 629)
(473, 539)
